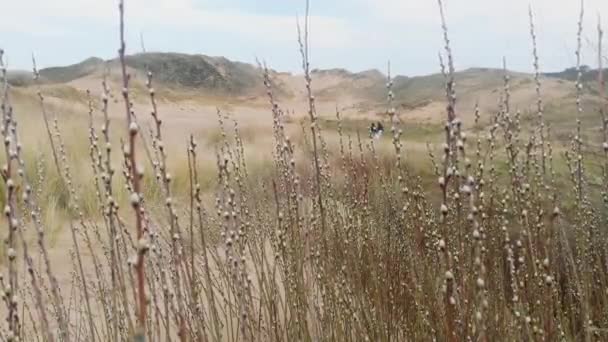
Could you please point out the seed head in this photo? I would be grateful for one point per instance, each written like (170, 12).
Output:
(556, 211)
(441, 181)
(143, 245)
(11, 253)
(441, 244)
(134, 199)
(476, 234)
(133, 128)
(140, 171)
(132, 260)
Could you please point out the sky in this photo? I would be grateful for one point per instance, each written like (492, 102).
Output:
(352, 34)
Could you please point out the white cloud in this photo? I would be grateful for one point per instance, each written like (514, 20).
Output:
(274, 29)
(494, 16)
(36, 17)
(369, 32)
(498, 25)
(407, 11)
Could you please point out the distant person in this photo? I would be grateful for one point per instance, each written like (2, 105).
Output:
(376, 130)
(379, 128)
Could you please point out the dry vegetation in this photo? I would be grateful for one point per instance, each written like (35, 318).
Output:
(305, 230)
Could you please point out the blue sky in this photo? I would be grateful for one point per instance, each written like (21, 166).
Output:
(352, 34)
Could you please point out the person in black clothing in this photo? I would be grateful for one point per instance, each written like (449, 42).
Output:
(376, 130)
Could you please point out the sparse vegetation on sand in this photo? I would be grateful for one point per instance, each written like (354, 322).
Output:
(488, 226)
